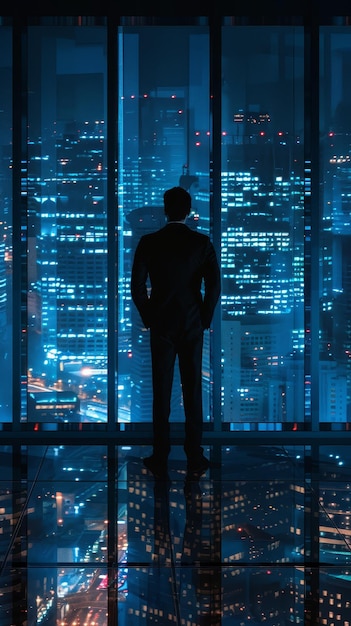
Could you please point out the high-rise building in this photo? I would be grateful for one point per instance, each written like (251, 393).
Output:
(68, 258)
(262, 292)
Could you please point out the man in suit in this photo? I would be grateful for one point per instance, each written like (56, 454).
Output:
(184, 276)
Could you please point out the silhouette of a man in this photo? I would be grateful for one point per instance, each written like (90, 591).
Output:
(184, 276)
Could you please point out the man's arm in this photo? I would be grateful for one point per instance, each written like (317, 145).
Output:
(138, 285)
(212, 281)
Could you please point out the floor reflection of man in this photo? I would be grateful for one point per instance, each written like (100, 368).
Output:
(189, 591)
(201, 574)
(162, 599)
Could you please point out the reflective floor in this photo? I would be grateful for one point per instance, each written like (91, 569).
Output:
(88, 537)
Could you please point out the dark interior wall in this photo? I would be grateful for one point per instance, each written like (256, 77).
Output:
(309, 9)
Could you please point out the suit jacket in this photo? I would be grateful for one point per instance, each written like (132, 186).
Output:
(175, 282)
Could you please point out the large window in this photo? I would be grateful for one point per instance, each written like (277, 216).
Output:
(262, 216)
(164, 131)
(98, 117)
(277, 356)
(334, 227)
(67, 224)
(6, 225)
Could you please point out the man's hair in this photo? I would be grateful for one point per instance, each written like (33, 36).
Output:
(177, 203)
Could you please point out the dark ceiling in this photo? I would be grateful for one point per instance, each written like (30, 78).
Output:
(261, 12)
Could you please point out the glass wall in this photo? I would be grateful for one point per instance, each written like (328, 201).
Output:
(262, 216)
(164, 118)
(67, 224)
(164, 140)
(6, 224)
(98, 117)
(335, 227)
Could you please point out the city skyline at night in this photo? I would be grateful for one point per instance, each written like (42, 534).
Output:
(98, 117)
(67, 298)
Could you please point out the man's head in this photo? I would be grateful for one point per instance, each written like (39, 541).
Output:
(177, 203)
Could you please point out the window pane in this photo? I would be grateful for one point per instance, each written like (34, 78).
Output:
(6, 226)
(66, 520)
(334, 502)
(262, 226)
(335, 228)
(10, 511)
(164, 125)
(67, 225)
(334, 533)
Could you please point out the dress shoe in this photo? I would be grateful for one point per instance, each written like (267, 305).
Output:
(156, 466)
(198, 467)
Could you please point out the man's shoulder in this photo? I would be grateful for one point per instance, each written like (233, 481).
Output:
(150, 237)
(202, 238)
(168, 233)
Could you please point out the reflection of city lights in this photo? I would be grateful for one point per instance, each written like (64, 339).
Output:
(86, 371)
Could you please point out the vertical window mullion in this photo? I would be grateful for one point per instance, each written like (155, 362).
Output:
(312, 224)
(19, 204)
(215, 200)
(111, 220)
